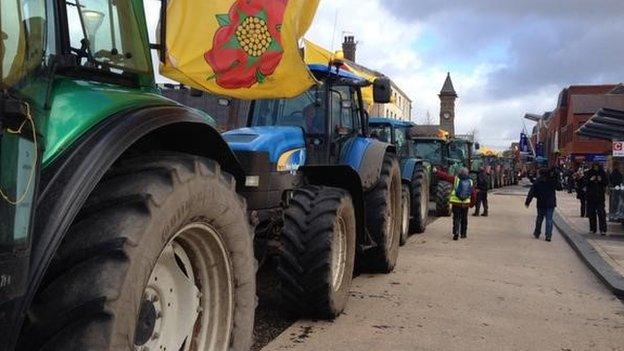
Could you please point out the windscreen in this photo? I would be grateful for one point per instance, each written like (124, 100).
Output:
(106, 34)
(430, 151)
(305, 111)
(458, 151)
(381, 132)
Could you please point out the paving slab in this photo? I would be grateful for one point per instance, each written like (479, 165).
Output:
(604, 255)
(500, 289)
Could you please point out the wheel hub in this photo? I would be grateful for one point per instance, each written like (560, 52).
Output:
(188, 301)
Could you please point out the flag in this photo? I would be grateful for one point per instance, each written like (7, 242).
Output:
(316, 54)
(246, 49)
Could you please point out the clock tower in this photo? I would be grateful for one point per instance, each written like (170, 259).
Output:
(447, 106)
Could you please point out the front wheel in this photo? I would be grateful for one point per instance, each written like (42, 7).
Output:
(158, 258)
(420, 201)
(383, 218)
(443, 197)
(318, 252)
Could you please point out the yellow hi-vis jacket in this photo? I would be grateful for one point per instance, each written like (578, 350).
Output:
(456, 200)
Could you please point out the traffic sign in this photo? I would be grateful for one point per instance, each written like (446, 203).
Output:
(618, 149)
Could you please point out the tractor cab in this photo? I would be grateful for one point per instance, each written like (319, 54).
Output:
(395, 132)
(431, 149)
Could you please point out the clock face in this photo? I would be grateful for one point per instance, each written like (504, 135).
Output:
(447, 115)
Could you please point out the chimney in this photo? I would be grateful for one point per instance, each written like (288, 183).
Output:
(348, 47)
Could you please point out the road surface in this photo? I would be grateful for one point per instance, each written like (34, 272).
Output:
(500, 289)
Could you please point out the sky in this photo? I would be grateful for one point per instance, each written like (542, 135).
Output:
(506, 58)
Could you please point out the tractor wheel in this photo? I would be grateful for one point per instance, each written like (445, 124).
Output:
(420, 201)
(318, 254)
(383, 218)
(443, 194)
(405, 214)
(160, 257)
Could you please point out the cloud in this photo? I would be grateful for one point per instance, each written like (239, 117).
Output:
(506, 57)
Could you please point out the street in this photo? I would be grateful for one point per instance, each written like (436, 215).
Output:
(500, 289)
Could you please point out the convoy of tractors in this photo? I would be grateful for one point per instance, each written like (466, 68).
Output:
(128, 222)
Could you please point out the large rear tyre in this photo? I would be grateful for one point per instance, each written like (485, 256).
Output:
(405, 214)
(443, 196)
(419, 201)
(383, 218)
(159, 257)
(318, 253)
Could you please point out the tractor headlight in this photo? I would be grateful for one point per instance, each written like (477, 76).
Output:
(291, 160)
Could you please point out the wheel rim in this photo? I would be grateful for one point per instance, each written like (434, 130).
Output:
(188, 303)
(406, 215)
(339, 254)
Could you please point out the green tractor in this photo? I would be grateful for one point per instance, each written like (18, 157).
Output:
(120, 224)
(415, 173)
(448, 155)
(435, 151)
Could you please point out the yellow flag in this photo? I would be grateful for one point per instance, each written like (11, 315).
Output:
(246, 49)
(316, 54)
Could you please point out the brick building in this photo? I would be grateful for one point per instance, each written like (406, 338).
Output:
(555, 131)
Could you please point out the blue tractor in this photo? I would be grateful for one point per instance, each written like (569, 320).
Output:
(325, 196)
(414, 173)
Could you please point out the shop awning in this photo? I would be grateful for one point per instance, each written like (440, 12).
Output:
(606, 124)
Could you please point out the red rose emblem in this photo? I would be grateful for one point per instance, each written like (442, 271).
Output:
(248, 46)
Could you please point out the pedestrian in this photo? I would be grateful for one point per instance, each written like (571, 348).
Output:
(463, 196)
(581, 190)
(544, 190)
(482, 192)
(616, 177)
(570, 180)
(596, 180)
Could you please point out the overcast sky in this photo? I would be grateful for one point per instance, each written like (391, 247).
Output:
(505, 57)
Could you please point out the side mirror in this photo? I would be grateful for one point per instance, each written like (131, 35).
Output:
(382, 90)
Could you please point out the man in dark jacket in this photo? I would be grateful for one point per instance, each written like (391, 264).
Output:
(482, 189)
(544, 190)
(616, 177)
(596, 180)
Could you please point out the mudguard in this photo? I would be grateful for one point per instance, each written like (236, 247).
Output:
(68, 181)
(365, 156)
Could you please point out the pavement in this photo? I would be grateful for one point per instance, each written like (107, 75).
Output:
(603, 254)
(500, 289)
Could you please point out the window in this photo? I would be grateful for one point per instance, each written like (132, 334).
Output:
(22, 39)
(430, 151)
(305, 111)
(401, 142)
(112, 32)
(382, 133)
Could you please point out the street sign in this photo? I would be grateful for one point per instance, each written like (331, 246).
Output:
(618, 149)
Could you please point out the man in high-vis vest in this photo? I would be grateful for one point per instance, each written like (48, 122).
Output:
(463, 197)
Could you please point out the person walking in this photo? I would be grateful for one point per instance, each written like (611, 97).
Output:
(581, 191)
(616, 178)
(544, 190)
(463, 196)
(596, 180)
(482, 189)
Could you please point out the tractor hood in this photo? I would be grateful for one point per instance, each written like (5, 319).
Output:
(272, 140)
